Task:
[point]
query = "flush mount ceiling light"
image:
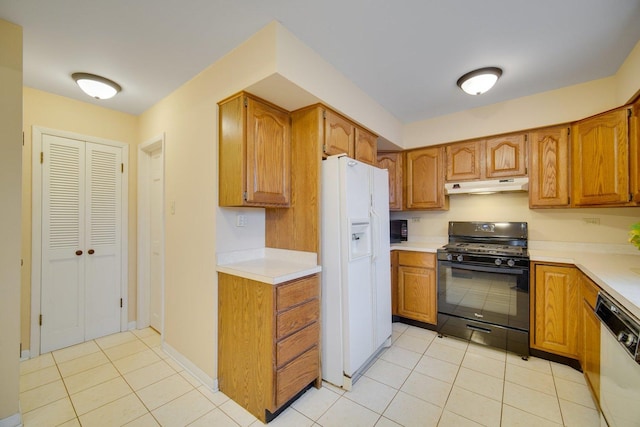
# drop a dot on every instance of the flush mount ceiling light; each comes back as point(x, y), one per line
point(479, 81)
point(96, 86)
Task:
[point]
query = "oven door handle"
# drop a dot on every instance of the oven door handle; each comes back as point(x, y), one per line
point(482, 268)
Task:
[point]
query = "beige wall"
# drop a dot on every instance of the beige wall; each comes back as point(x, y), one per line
point(10, 176)
point(557, 225)
point(188, 118)
point(56, 112)
point(548, 108)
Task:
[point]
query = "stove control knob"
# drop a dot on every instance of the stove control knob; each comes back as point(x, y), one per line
point(459, 258)
point(449, 257)
point(498, 261)
point(511, 263)
point(623, 337)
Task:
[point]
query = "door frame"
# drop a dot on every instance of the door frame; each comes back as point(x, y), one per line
point(36, 227)
point(144, 251)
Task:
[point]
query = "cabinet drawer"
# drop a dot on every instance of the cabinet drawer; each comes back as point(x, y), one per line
point(417, 259)
point(296, 375)
point(292, 346)
point(294, 293)
point(589, 291)
point(296, 318)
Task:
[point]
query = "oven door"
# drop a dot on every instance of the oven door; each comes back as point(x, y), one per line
point(485, 294)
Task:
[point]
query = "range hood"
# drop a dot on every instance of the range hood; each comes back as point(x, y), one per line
point(487, 186)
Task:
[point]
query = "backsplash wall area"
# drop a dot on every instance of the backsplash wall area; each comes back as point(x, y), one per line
point(592, 225)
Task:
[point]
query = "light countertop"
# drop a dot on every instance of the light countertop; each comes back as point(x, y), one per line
point(268, 265)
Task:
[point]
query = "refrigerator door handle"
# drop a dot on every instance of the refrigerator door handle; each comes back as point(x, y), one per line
point(375, 232)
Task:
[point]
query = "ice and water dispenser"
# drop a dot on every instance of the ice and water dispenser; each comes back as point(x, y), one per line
point(360, 245)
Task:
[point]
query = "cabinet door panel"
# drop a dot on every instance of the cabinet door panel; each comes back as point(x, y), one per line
point(366, 146)
point(600, 160)
point(339, 134)
point(506, 156)
point(424, 177)
point(392, 162)
point(556, 309)
point(268, 154)
point(417, 294)
point(549, 167)
point(463, 161)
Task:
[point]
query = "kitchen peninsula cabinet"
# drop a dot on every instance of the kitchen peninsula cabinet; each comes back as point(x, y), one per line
point(416, 286)
point(590, 333)
point(424, 179)
point(392, 162)
point(555, 309)
point(600, 160)
point(549, 167)
point(254, 153)
point(268, 347)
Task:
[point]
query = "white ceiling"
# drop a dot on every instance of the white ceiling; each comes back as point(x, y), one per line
point(406, 54)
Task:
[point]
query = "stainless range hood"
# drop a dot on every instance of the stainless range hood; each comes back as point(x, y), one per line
point(487, 186)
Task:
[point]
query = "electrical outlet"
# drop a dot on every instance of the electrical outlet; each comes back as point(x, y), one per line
point(173, 207)
point(593, 221)
point(415, 219)
point(241, 220)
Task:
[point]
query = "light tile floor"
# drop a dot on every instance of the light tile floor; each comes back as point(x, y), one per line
point(421, 380)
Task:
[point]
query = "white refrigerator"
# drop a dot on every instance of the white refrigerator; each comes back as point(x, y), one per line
point(356, 276)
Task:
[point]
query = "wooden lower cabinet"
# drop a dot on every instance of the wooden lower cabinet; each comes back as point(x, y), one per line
point(555, 309)
point(268, 346)
point(590, 333)
point(416, 286)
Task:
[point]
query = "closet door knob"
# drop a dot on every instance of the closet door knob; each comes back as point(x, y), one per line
point(78, 252)
point(91, 251)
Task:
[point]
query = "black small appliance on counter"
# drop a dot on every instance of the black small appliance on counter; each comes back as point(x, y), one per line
point(398, 230)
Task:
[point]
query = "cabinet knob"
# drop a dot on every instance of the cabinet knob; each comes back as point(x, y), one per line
point(91, 251)
point(78, 252)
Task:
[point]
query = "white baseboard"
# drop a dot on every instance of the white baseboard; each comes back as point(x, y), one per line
point(25, 355)
point(191, 367)
point(132, 325)
point(14, 420)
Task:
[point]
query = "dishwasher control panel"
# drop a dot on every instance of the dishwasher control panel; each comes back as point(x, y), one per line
point(622, 324)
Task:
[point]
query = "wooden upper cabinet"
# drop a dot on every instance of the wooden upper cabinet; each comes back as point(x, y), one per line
point(424, 179)
point(255, 153)
point(366, 146)
point(549, 167)
point(506, 156)
point(600, 160)
point(339, 134)
point(392, 162)
point(463, 161)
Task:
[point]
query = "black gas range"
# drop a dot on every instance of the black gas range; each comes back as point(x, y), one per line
point(483, 284)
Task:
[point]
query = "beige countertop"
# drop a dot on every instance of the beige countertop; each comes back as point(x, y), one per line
point(268, 265)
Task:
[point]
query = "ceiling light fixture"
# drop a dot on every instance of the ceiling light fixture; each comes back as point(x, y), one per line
point(96, 86)
point(479, 81)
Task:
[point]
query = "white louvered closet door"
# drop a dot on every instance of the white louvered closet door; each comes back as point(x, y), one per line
point(81, 243)
point(63, 214)
point(102, 272)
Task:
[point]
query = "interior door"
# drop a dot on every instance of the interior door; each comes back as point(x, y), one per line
point(81, 241)
point(63, 214)
point(103, 245)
